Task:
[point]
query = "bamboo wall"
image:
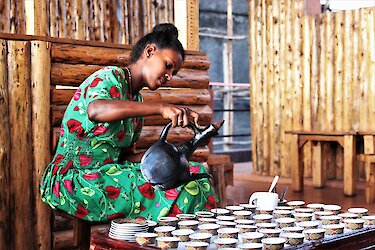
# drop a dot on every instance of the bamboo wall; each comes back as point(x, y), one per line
point(37, 75)
point(116, 21)
point(308, 73)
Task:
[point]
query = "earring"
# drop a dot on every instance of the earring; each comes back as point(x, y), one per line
point(167, 77)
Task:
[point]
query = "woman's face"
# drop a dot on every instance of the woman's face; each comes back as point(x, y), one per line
point(161, 65)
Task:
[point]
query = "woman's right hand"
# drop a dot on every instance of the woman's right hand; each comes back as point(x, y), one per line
point(180, 116)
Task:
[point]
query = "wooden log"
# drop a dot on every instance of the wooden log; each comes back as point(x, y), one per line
point(371, 72)
point(21, 178)
point(79, 20)
point(172, 96)
point(74, 75)
point(347, 72)
point(63, 239)
point(322, 77)
point(40, 79)
point(5, 232)
point(363, 71)
point(204, 111)
point(53, 26)
point(78, 54)
point(356, 93)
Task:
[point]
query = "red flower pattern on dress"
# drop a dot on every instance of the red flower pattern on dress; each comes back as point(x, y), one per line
point(76, 126)
point(174, 211)
point(68, 166)
point(121, 136)
point(100, 130)
point(147, 190)
point(68, 186)
point(76, 108)
point(95, 82)
point(77, 94)
point(194, 169)
point(61, 131)
point(112, 192)
point(55, 169)
point(108, 161)
point(58, 159)
point(116, 215)
point(85, 160)
point(56, 189)
point(113, 91)
point(91, 176)
point(171, 194)
point(211, 203)
point(81, 212)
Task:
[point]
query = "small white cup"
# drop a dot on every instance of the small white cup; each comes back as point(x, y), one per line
point(264, 200)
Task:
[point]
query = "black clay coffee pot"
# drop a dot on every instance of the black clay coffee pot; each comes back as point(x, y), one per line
point(166, 166)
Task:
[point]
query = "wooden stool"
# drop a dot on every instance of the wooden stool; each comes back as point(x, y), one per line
point(221, 168)
point(81, 231)
point(369, 161)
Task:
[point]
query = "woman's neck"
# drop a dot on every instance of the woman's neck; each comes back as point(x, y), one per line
point(136, 78)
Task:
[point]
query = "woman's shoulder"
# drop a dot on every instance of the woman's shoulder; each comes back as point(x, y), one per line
point(112, 69)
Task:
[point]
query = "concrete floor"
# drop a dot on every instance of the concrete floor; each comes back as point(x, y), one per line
point(246, 182)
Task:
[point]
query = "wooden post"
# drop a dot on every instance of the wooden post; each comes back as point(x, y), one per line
point(187, 22)
point(296, 163)
point(5, 231)
point(40, 80)
point(349, 165)
point(21, 181)
point(317, 166)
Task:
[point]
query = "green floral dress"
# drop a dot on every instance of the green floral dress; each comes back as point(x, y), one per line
point(86, 178)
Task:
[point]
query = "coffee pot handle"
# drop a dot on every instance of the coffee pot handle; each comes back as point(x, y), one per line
point(164, 133)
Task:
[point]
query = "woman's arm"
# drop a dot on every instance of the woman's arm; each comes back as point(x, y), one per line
point(115, 110)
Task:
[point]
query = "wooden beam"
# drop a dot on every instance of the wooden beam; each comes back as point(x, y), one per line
point(187, 22)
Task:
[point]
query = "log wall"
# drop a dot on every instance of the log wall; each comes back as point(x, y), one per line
point(37, 80)
point(310, 73)
point(116, 21)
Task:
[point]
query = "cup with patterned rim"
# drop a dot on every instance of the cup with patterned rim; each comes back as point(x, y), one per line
point(151, 225)
point(294, 239)
point(251, 246)
point(361, 211)
point(333, 229)
point(188, 224)
point(167, 242)
point(308, 224)
point(304, 210)
point(285, 222)
point(295, 204)
point(316, 206)
point(330, 219)
point(224, 224)
point(204, 214)
point(369, 220)
point(262, 218)
point(264, 211)
point(347, 215)
point(354, 224)
point(274, 243)
point(288, 208)
point(226, 218)
point(207, 220)
point(183, 234)
point(292, 229)
point(270, 233)
point(201, 237)
point(225, 242)
point(233, 208)
point(252, 237)
point(228, 232)
point(245, 222)
point(335, 209)
point(266, 225)
point(144, 239)
point(303, 217)
point(314, 234)
point(186, 216)
point(209, 228)
point(249, 207)
point(245, 228)
point(168, 221)
point(319, 214)
point(220, 211)
point(164, 231)
point(282, 214)
point(242, 215)
point(195, 245)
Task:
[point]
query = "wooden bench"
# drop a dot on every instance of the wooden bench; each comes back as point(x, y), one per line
point(346, 139)
point(368, 157)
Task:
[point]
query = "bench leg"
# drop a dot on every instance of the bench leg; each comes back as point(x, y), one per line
point(82, 232)
point(370, 182)
point(349, 165)
point(296, 164)
point(318, 174)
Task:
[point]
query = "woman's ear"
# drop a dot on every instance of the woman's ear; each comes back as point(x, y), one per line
point(149, 50)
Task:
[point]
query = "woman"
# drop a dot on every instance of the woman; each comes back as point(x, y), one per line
point(95, 173)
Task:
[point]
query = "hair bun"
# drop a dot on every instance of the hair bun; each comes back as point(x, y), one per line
point(166, 28)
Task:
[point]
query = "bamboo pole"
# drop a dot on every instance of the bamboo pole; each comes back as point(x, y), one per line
point(5, 231)
point(40, 78)
point(347, 72)
point(253, 79)
point(21, 195)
